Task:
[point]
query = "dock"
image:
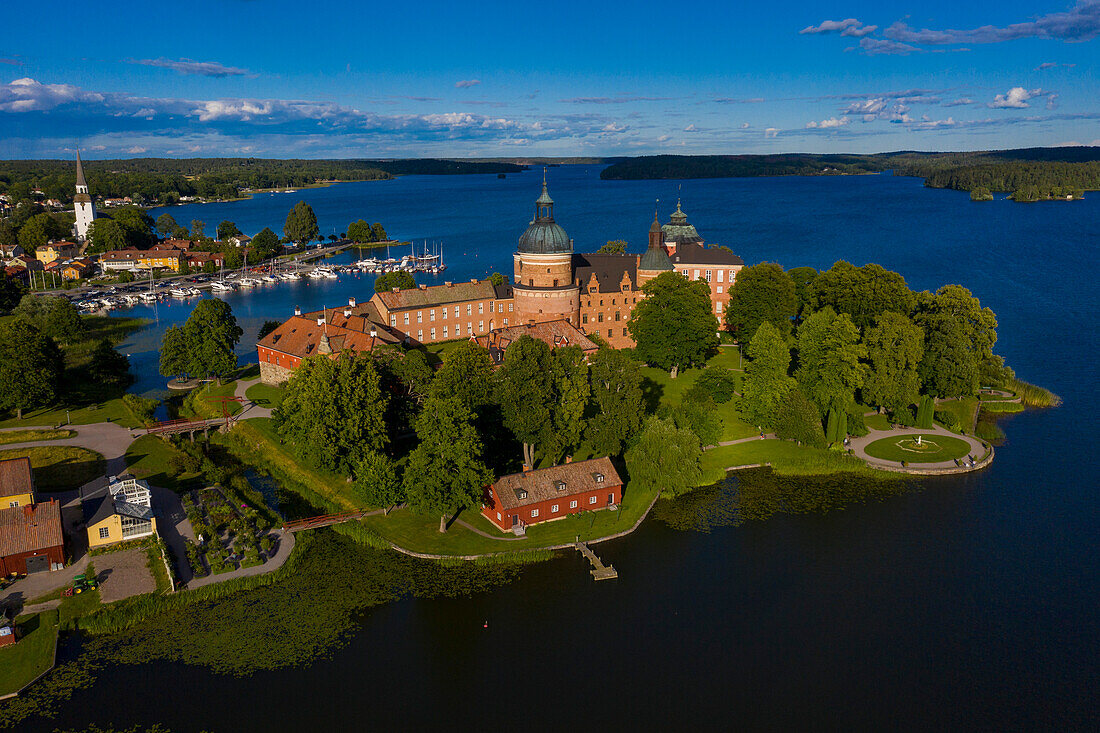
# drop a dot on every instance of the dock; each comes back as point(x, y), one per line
point(599, 570)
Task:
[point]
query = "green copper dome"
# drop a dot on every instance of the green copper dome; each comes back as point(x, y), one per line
point(679, 231)
point(655, 259)
point(544, 236)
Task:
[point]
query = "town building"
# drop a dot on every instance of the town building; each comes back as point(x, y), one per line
point(555, 334)
point(16, 483)
point(116, 509)
point(240, 240)
point(7, 251)
point(161, 259)
point(121, 259)
point(546, 494)
point(82, 204)
point(77, 269)
point(31, 538)
point(54, 251)
point(196, 260)
point(17, 273)
point(428, 314)
point(33, 264)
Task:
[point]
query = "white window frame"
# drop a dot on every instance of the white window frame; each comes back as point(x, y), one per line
point(104, 533)
point(433, 333)
point(591, 500)
point(469, 309)
point(481, 308)
point(444, 332)
point(720, 274)
point(573, 504)
point(406, 319)
point(554, 509)
point(393, 319)
point(534, 513)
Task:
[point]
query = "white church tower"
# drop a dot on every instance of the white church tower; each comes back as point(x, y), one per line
point(82, 203)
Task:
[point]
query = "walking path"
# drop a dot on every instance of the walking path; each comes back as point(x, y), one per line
point(284, 543)
point(248, 407)
point(475, 530)
point(106, 438)
point(765, 436)
point(859, 448)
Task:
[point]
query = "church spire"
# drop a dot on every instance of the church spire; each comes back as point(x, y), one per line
point(81, 184)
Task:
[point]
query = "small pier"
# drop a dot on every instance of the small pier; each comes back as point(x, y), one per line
point(599, 570)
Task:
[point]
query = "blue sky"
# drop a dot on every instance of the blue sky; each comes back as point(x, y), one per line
point(346, 78)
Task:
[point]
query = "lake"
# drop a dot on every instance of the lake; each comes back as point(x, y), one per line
point(967, 603)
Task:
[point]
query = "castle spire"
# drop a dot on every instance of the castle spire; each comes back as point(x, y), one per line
point(81, 184)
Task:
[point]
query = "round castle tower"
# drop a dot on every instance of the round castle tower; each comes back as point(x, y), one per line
point(543, 285)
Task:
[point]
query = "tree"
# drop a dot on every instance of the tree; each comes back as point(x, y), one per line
point(766, 379)
point(895, 347)
point(359, 232)
point(926, 412)
point(445, 472)
point(227, 229)
point(762, 292)
point(466, 375)
point(673, 326)
point(803, 278)
point(413, 372)
point(166, 224)
point(613, 247)
point(333, 413)
point(198, 229)
point(185, 267)
point(265, 245)
point(266, 328)
point(569, 374)
point(11, 291)
point(106, 235)
point(377, 481)
point(125, 276)
point(829, 354)
point(38, 230)
point(301, 223)
point(617, 406)
point(378, 233)
point(136, 225)
point(204, 344)
point(717, 383)
point(525, 392)
point(796, 418)
point(108, 366)
point(959, 336)
point(665, 458)
point(864, 293)
point(30, 367)
point(497, 279)
point(697, 413)
point(54, 316)
point(209, 267)
point(390, 280)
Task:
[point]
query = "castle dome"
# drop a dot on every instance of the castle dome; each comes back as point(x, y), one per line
point(678, 229)
point(544, 236)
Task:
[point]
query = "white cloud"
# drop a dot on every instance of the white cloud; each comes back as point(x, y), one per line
point(691, 128)
point(137, 149)
point(188, 66)
point(664, 138)
point(467, 83)
point(1081, 23)
point(846, 27)
point(771, 131)
point(744, 125)
point(831, 123)
point(1015, 98)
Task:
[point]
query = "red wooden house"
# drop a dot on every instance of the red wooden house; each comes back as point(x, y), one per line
point(529, 497)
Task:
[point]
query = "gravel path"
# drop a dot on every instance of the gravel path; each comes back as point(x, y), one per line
point(859, 446)
point(123, 574)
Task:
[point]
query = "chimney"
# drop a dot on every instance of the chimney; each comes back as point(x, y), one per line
point(321, 320)
point(568, 460)
point(347, 313)
point(423, 287)
point(397, 290)
point(449, 284)
point(297, 310)
point(373, 332)
point(351, 302)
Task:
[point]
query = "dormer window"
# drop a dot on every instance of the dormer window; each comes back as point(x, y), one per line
point(559, 485)
point(598, 477)
point(521, 494)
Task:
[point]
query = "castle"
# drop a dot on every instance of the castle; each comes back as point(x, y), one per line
point(582, 294)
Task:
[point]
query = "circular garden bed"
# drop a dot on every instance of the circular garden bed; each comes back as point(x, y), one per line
point(931, 448)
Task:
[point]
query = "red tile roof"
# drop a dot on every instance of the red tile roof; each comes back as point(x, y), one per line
point(435, 295)
point(554, 334)
point(16, 477)
point(29, 528)
point(301, 335)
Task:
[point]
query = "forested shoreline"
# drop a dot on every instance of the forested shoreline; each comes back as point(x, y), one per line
point(1029, 174)
point(167, 180)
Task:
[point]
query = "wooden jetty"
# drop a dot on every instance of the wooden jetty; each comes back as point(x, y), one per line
point(326, 520)
point(599, 570)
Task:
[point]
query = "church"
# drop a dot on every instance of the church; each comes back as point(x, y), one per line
point(82, 204)
point(557, 295)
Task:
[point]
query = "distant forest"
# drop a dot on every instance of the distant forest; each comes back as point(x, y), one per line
point(1029, 174)
point(166, 180)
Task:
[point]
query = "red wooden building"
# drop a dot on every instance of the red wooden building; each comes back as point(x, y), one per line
point(30, 538)
point(551, 493)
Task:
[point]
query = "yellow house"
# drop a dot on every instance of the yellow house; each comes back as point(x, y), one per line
point(16, 483)
point(48, 253)
point(170, 259)
point(117, 509)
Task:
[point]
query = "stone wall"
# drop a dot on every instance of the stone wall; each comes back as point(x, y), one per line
point(273, 374)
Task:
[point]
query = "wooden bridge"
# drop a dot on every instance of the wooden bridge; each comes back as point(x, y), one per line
point(183, 425)
point(325, 520)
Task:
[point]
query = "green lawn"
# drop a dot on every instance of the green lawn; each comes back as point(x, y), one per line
point(203, 402)
point(78, 605)
point(149, 458)
point(437, 352)
point(733, 427)
point(60, 466)
point(876, 422)
point(964, 410)
point(32, 655)
point(265, 395)
point(671, 391)
point(933, 449)
point(786, 458)
point(30, 436)
point(421, 533)
point(1001, 406)
point(112, 410)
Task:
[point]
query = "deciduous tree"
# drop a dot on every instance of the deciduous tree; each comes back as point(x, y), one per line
point(613, 247)
point(54, 316)
point(617, 407)
point(166, 224)
point(829, 354)
point(377, 481)
point(301, 223)
point(864, 293)
point(895, 347)
point(466, 375)
point(108, 366)
point(761, 292)
point(665, 458)
point(525, 392)
point(673, 326)
point(390, 280)
point(766, 379)
point(30, 367)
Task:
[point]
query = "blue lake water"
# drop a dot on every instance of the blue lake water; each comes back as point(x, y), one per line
point(971, 604)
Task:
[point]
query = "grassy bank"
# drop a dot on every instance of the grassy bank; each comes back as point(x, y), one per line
point(934, 448)
point(265, 395)
point(60, 467)
point(151, 458)
point(1032, 395)
point(786, 458)
point(30, 436)
point(32, 655)
point(111, 410)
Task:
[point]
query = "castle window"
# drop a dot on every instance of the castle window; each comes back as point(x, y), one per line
point(601, 302)
point(444, 332)
point(480, 326)
point(393, 319)
point(469, 309)
point(509, 307)
point(444, 314)
point(626, 287)
point(600, 318)
point(432, 314)
point(609, 333)
point(624, 332)
point(720, 274)
point(531, 281)
point(420, 316)
point(419, 335)
point(480, 307)
point(456, 311)
point(617, 318)
point(687, 275)
point(708, 275)
point(555, 282)
point(433, 334)
point(718, 306)
point(584, 318)
point(547, 270)
point(505, 321)
point(719, 280)
point(592, 290)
